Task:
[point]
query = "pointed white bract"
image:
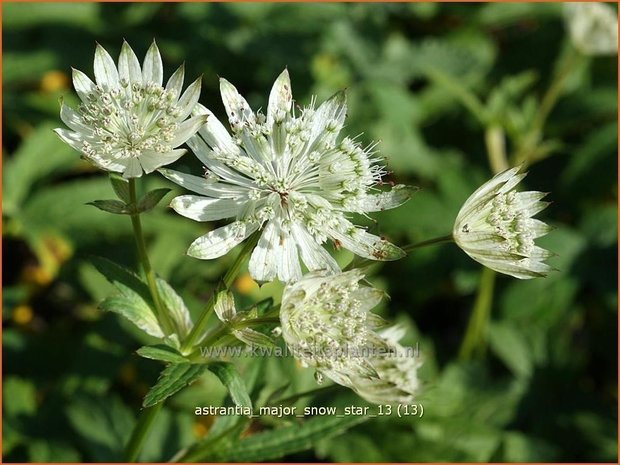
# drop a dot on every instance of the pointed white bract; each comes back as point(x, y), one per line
point(327, 325)
point(593, 27)
point(286, 174)
point(495, 227)
point(127, 122)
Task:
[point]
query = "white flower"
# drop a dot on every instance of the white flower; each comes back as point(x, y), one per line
point(127, 122)
point(327, 325)
point(495, 227)
point(287, 174)
point(593, 27)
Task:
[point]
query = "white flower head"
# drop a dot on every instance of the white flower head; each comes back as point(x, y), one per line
point(327, 325)
point(593, 27)
point(495, 227)
point(287, 174)
point(127, 122)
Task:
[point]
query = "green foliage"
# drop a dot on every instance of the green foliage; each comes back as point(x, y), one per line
point(161, 352)
point(280, 442)
point(172, 379)
point(151, 199)
point(229, 377)
point(424, 79)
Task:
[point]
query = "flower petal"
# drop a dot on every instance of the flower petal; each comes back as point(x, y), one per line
point(280, 98)
point(187, 129)
point(287, 258)
point(214, 132)
point(237, 107)
point(106, 73)
point(82, 84)
point(328, 120)
point(262, 264)
point(379, 202)
point(71, 138)
point(73, 119)
point(129, 65)
point(202, 186)
point(365, 244)
point(314, 256)
point(150, 161)
point(189, 99)
point(225, 306)
point(204, 208)
point(133, 170)
point(220, 241)
point(175, 83)
point(204, 154)
point(153, 68)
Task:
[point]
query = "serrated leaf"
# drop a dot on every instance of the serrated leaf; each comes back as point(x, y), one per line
point(173, 379)
point(111, 206)
point(176, 307)
point(127, 282)
point(136, 310)
point(277, 443)
point(161, 352)
point(151, 199)
point(253, 338)
point(228, 375)
point(121, 187)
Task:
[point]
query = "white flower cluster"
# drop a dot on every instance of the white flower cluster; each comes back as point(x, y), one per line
point(593, 27)
point(495, 227)
point(327, 325)
point(127, 122)
point(287, 175)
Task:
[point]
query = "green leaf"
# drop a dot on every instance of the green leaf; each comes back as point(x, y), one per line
point(230, 378)
point(127, 282)
point(40, 156)
point(151, 199)
point(173, 379)
point(511, 347)
point(136, 310)
point(176, 307)
point(279, 442)
point(102, 425)
point(111, 206)
point(161, 352)
point(121, 187)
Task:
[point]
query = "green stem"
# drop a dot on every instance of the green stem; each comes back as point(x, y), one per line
point(147, 418)
point(229, 277)
point(550, 98)
point(160, 311)
point(436, 240)
point(460, 92)
point(474, 342)
point(495, 141)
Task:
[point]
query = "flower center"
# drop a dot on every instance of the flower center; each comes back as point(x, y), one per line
point(129, 120)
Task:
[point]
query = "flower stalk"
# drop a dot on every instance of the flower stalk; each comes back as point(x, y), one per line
point(229, 277)
point(160, 311)
point(474, 342)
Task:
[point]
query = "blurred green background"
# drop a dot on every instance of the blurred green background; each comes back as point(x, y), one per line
point(546, 388)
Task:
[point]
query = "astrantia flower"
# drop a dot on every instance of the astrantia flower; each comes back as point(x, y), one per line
point(327, 325)
point(593, 27)
point(127, 122)
point(495, 227)
point(287, 174)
